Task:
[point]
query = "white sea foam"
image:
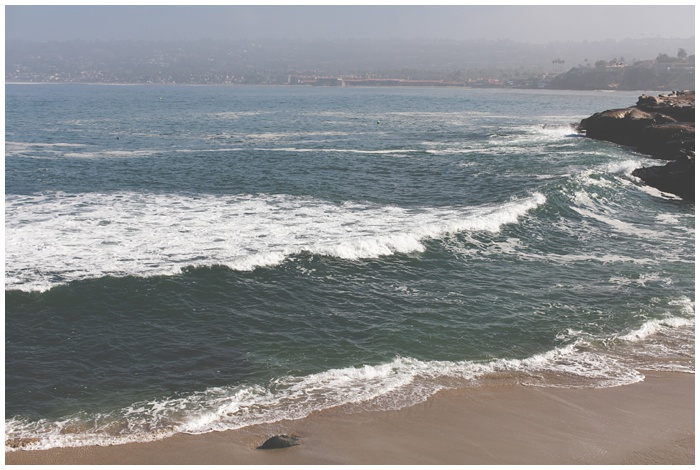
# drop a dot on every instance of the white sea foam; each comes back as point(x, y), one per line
point(625, 168)
point(517, 248)
point(595, 369)
point(235, 115)
point(10, 145)
point(622, 168)
point(668, 219)
point(333, 150)
point(642, 280)
point(653, 327)
point(657, 192)
point(111, 154)
point(664, 344)
point(684, 307)
point(275, 136)
point(555, 132)
point(528, 134)
point(56, 238)
point(47, 149)
point(597, 210)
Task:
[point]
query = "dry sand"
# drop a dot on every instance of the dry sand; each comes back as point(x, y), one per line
point(651, 422)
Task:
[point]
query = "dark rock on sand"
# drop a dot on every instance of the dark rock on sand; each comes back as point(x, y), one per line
point(662, 127)
point(280, 442)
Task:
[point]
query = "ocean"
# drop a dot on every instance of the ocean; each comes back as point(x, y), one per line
point(187, 259)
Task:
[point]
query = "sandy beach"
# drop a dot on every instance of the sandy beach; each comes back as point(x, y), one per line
point(651, 422)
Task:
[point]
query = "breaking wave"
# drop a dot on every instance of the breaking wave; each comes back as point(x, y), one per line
point(57, 238)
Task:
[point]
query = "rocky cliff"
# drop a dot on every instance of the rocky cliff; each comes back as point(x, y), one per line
point(662, 127)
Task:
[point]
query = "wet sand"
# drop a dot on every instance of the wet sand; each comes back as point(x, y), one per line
point(651, 422)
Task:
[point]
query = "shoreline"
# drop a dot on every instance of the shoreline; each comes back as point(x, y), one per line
point(649, 422)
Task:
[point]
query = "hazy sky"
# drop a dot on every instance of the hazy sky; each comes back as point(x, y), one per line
point(537, 24)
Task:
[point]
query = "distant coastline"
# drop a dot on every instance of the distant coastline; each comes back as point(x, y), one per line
point(650, 64)
point(404, 85)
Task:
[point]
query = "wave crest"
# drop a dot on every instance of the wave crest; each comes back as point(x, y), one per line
point(56, 238)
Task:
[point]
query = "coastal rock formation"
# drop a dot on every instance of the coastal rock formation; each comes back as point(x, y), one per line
point(662, 127)
point(679, 105)
point(622, 126)
point(667, 141)
point(676, 177)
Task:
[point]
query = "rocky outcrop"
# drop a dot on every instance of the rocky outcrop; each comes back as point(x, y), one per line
point(676, 177)
point(662, 127)
point(680, 105)
point(622, 126)
point(667, 141)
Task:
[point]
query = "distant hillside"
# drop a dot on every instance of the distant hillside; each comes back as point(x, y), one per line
point(663, 73)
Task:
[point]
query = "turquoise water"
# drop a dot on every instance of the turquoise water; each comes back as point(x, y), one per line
point(189, 259)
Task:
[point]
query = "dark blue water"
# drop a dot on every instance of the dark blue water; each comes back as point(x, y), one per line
point(187, 259)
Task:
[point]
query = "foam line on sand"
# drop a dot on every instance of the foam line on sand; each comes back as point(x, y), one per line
point(650, 422)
